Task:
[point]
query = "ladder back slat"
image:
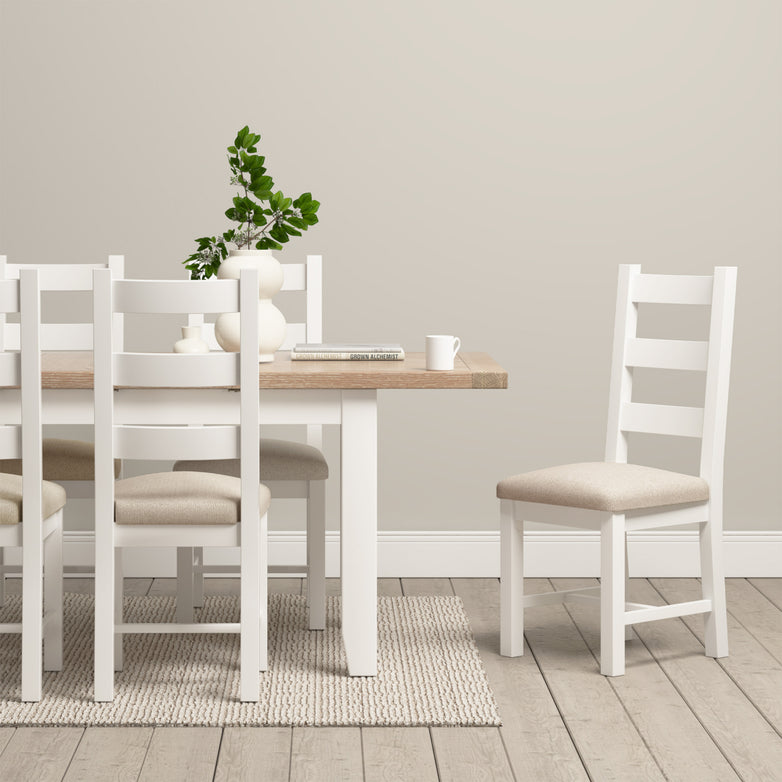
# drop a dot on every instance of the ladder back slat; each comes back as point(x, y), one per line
point(667, 354)
point(294, 277)
point(176, 370)
point(10, 442)
point(9, 296)
point(662, 419)
point(671, 289)
point(10, 369)
point(176, 296)
point(171, 443)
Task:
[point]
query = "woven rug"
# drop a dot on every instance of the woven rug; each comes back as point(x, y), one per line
point(429, 670)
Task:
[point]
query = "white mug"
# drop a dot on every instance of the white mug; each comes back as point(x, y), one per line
point(441, 351)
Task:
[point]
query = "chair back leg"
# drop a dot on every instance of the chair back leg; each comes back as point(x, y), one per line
point(52, 597)
point(713, 583)
point(316, 554)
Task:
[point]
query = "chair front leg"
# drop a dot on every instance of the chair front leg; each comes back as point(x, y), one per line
point(316, 554)
point(612, 595)
point(629, 632)
point(184, 585)
point(52, 598)
point(198, 577)
point(119, 594)
point(2, 576)
point(511, 581)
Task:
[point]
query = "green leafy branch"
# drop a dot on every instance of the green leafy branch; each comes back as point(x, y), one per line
point(266, 218)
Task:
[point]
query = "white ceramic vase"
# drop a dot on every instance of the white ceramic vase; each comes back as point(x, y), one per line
point(271, 322)
point(191, 341)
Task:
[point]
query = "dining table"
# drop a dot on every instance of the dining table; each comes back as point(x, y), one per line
point(344, 393)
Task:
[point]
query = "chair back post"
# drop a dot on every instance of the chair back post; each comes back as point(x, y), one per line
point(3, 276)
point(715, 411)
point(117, 266)
point(32, 453)
point(314, 284)
point(103, 323)
point(621, 389)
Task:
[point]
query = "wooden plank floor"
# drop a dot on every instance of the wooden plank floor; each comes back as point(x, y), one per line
point(675, 715)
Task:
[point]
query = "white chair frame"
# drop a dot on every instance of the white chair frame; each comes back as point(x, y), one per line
point(40, 539)
point(308, 278)
point(150, 371)
point(61, 336)
point(625, 416)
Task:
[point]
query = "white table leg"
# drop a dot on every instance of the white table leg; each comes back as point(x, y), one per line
point(358, 538)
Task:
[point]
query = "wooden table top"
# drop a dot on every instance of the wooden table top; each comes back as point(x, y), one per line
point(74, 370)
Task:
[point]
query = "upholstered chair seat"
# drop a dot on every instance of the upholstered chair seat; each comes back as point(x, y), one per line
point(281, 460)
point(63, 460)
point(181, 498)
point(604, 486)
point(53, 496)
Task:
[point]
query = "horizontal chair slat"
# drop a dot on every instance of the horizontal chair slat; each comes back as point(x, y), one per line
point(662, 419)
point(294, 277)
point(176, 370)
point(10, 369)
point(176, 442)
point(10, 442)
point(171, 627)
point(9, 296)
point(59, 276)
point(667, 354)
point(670, 289)
point(176, 296)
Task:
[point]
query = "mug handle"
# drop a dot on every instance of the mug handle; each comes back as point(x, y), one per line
point(457, 343)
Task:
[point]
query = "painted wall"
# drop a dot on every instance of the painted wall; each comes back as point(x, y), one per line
point(483, 168)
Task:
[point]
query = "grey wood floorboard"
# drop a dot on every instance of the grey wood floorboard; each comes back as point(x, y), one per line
point(751, 745)
point(320, 754)
point(749, 663)
point(673, 734)
point(607, 740)
point(758, 614)
point(40, 754)
point(109, 755)
point(770, 587)
point(181, 755)
point(398, 755)
point(427, 586)
point(5, 737)
point(470, 754)
point(535, 736)
point(250, 754)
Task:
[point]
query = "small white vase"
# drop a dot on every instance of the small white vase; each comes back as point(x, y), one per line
point(271, 322)
point(191, 341)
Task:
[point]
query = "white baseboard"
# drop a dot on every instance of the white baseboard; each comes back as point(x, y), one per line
point(477, 554)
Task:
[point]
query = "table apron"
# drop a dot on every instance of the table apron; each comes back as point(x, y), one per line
point(174, 406)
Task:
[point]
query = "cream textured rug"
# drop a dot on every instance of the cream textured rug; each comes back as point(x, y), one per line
point(429, 670)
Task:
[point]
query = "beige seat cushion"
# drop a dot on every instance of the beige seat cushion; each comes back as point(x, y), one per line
point(604, 486)
point(281, 460)
point(181, 498)
point(63, 460)
point(11, 498)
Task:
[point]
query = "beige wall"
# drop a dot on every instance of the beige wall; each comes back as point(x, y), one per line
point(483, 168)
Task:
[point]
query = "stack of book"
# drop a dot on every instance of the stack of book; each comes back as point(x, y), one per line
point(339, 351)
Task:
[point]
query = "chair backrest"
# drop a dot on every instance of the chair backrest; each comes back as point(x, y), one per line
point(65, 278)
point(22, 369)
point(305, 277)
point(173, 370)
point(712, 357)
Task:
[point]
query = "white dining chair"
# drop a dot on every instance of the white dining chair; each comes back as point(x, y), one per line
point(30, 507)
point(177, 509)
point(68, 462)
point(616, 497)
point(291, 470)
